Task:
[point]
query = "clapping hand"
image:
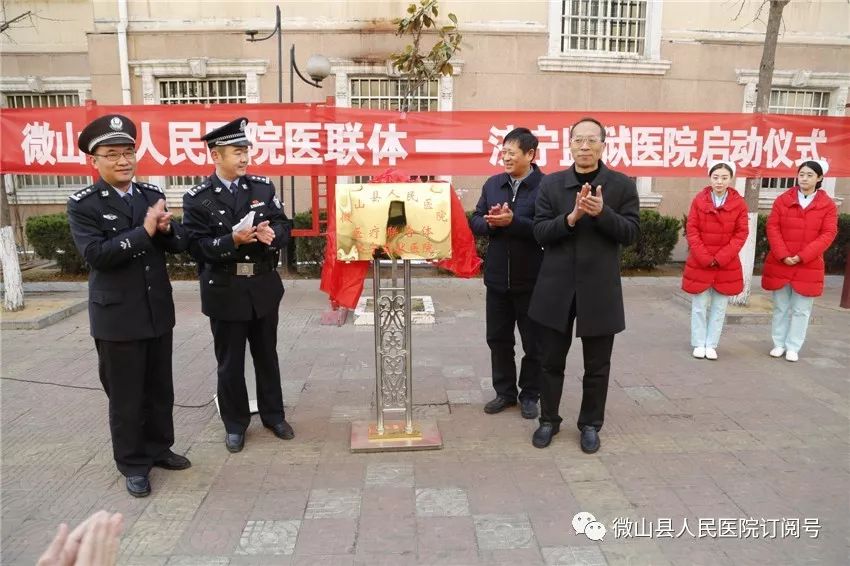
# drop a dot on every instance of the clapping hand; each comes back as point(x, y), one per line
point(591, 203)
point(265, 233)
point(499, 216)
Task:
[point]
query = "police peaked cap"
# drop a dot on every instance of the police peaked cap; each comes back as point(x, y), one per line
point(112, 129)
point(232, 133)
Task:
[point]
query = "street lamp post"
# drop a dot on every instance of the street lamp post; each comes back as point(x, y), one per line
point(318, 68)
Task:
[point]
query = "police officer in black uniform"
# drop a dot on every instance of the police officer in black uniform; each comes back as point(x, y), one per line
point(123, 229)
point(240, 287)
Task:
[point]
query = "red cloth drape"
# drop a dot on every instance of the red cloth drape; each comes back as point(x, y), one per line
point(343, 281)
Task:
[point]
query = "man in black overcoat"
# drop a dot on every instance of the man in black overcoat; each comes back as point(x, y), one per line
point(241, 289)
point(584, 215)
point(122, 229)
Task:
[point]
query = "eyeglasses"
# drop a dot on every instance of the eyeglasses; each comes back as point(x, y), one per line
point(129, 155)
point(580, 141)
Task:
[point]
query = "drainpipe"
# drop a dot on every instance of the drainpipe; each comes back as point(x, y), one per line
point(123, 58)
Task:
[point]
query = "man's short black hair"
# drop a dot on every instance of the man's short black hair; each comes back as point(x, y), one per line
point(590, 119)
point(523, 138)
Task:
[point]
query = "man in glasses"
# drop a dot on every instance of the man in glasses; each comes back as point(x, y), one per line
point(583, 217)
point(123, 229)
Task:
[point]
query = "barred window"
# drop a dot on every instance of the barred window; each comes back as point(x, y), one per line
point(202, 91)
point(385, 93)
point(44, 100)
point(795, 101)
point(199, 91)
point(608, 26)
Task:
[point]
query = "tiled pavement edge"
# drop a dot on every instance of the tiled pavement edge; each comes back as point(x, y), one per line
point(743, 437)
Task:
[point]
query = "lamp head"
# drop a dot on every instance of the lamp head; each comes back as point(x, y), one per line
point(318, 67)
point(251, 33)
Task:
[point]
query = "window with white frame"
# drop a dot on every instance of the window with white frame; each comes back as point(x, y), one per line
point(616, 26)
point(44, 100)
point(806, 102)
point(202, 91)
point(199, 91)
point(387, 93)
point(605, 36)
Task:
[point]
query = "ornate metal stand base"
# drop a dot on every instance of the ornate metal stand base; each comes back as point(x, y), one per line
point(393, 374)
point(365, 437)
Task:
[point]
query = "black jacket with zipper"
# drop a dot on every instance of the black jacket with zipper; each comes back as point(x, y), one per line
point(513, 255)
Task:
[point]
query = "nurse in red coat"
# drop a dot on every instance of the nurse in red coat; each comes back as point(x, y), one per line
point(800, 228)
point(716, 232)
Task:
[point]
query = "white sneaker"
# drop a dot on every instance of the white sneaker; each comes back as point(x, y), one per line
point(710, 354)
point(699, 352)
point(791, 356)
point(777, 352)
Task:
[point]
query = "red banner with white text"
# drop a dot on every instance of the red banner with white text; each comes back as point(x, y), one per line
point(311, 139)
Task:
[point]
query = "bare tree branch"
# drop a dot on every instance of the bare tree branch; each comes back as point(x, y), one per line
point(5, 25)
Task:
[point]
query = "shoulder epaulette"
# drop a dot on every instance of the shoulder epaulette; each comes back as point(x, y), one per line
point(259, 179)
point(199, 188)
point(83, 193)
point(151, 187)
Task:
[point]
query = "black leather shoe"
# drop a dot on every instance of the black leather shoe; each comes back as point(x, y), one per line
point(589, 439)
point(235, 442)
point(543, 435)
point(498, 405)
point(528, 408)
point(173, 462)
point(282, 430)
point(138, 486)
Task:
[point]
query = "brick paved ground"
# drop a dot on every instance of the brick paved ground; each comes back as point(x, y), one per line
point(746, 436)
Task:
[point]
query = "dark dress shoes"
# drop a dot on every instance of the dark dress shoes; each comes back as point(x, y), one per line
point(173, 462)
point(138, 486)
point(543, 435)
point(498, 405)
point(234, 441)
point(528, 408)
point(282, 430)
point(589, 439)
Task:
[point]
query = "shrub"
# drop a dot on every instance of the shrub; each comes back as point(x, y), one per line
point(50, 236)
point(182, 265)
point(309, 250)
point(480, 241)
point(836, 256)
point(658, 237)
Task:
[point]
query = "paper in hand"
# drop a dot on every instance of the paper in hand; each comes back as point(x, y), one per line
point(246, 222)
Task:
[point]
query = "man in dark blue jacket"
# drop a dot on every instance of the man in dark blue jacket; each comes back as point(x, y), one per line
point(505, 213)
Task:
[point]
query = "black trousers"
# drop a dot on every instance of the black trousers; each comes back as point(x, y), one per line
point(136, 376)
point(597, 366)
point(229, 338)
point(504, 311)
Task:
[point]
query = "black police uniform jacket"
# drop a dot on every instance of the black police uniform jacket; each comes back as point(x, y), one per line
point(583, 261)
point(209, 214)
point(513, 255)
point(129, 291)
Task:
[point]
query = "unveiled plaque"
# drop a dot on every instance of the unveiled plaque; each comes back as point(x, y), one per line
point(405, 220)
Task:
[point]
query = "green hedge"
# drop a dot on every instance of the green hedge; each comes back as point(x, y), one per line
point(309, 250)
point(658, 237)
point(50, 236)
point(836, 256)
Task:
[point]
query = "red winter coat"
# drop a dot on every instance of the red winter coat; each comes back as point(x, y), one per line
point(805, 232)
point(715, 235)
